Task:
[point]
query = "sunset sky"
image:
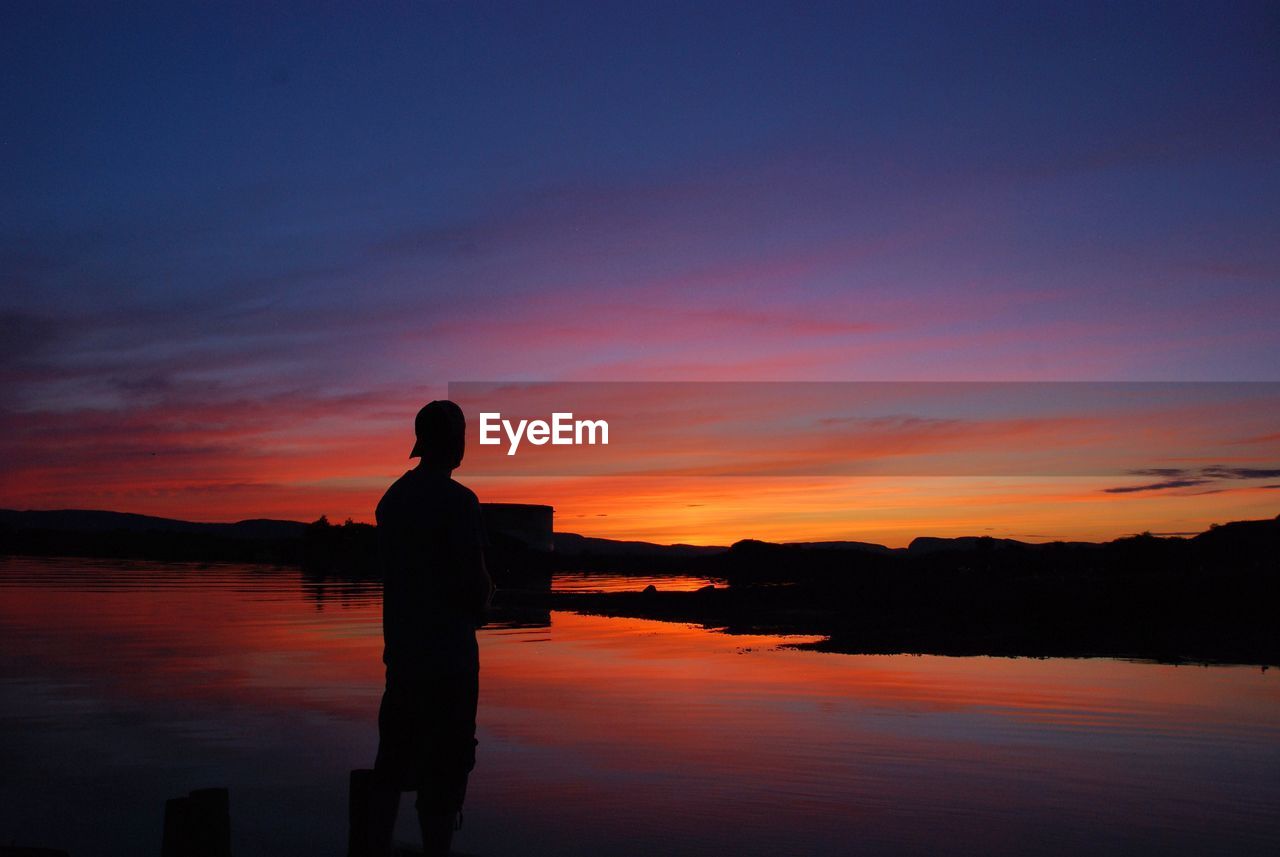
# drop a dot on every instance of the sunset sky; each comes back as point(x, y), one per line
point(242, 245)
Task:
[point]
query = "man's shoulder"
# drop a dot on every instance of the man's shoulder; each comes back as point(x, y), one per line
point(416, 491)
point(462, 493)
point(404, 480)
point(395, 492)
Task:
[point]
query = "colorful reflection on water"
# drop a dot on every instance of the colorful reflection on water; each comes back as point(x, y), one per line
point(125, 684)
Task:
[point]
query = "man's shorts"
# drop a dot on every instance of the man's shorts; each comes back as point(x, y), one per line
point(427, 737)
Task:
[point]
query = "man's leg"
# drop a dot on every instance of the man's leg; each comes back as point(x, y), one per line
point(389, 768)
point(384, 803)
point(437, 831)
point(444, 786)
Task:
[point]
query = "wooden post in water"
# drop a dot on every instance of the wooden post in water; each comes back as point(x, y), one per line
point(198, 825)
point(358, 813)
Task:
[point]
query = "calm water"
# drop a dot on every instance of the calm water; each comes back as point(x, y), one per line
point(124, 685)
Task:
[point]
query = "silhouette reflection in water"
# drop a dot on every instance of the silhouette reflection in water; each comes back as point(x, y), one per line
point(435, 593)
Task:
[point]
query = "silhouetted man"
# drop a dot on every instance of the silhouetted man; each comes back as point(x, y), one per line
point(435, 590)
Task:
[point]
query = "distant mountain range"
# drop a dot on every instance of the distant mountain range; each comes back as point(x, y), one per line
point(590, 548)
point(572, 544)
point(97, 521)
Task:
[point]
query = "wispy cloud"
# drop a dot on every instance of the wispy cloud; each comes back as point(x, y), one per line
point(1177, 477)
point(1240, 472)
point(1156, 486)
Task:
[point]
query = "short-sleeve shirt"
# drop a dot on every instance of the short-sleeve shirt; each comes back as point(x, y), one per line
point(427, 525)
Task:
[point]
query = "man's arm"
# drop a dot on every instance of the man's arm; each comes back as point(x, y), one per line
point(467, 542)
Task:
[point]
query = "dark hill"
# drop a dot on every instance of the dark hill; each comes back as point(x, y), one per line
point(95, 521)
point(88, 532)
point(584, 553)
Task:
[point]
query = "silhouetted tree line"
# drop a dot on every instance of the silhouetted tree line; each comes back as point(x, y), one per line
point(348, 548)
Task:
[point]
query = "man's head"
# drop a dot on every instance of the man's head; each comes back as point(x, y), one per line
point(441, 429)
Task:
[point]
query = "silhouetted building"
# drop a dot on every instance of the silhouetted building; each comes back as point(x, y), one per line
point(529, 525)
